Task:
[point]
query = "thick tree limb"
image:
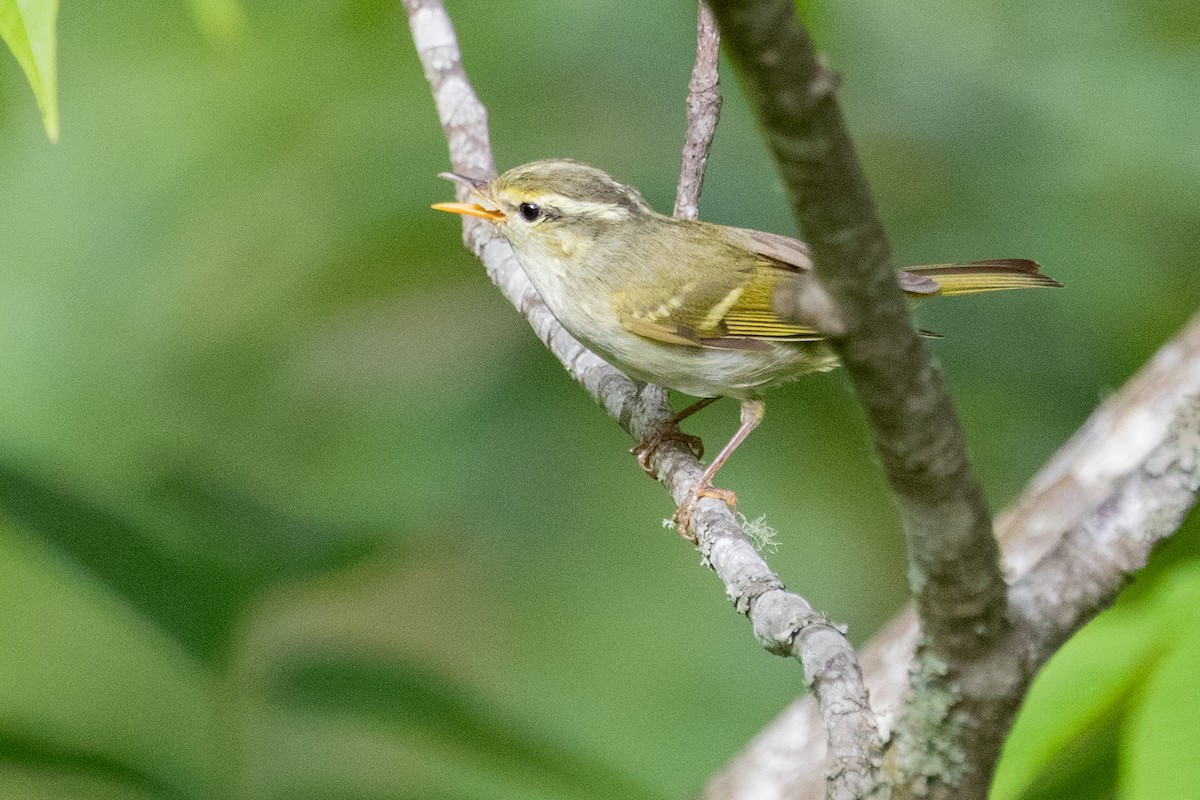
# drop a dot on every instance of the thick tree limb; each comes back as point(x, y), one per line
point(1140, 453)
point(1082, 525)
point(953, 556)
point(783, 622)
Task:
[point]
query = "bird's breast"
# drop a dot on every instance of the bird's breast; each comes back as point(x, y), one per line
point(582, 301)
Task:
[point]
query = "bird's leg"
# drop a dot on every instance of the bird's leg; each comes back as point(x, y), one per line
point(645, 449)
point(752, 414)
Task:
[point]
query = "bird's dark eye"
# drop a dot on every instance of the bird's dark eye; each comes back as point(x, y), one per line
point(529, 212)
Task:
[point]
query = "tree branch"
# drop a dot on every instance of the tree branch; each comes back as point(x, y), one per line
point(1140, 452)
point(703, 112)
point(1083, 523)
point(957, 577)
point(953, 556)
point(784, 761)
point(783, 622)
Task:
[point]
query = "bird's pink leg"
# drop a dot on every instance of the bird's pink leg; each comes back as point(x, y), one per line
point(752, 414)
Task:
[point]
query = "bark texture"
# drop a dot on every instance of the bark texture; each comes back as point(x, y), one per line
point(703, 113)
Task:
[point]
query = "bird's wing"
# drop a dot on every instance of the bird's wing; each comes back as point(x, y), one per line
point(736, 311)
point(743, 309)
point(782, 249)
point(796, 253)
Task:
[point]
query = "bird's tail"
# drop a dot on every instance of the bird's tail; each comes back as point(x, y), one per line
point(978, 276)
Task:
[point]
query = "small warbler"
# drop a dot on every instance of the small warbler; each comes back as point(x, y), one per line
point(706, 309)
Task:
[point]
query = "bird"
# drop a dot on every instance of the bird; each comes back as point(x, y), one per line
point(706, 309)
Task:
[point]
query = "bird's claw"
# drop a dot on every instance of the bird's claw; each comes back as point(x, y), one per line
point(645, 449)
point(683, 514)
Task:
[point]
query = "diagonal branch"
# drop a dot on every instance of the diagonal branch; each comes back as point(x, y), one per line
point(783, 622)
point(1140, 453)
point(958, 582)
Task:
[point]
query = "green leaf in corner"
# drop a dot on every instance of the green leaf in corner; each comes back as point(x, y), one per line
point(27, 26)
point(1158, 745)
point(1069, 723)
point(1115, 712)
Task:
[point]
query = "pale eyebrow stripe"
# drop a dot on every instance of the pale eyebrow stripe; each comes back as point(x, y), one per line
point(568, 205)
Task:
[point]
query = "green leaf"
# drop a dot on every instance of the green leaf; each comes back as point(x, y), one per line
point(1085, 768)
point(195, 577)
point(1068, 718)
point(31, 769)
point(1159, 743)
point(1158, 752)
point(27, 26)
point(193, 599)
point(1112, 708)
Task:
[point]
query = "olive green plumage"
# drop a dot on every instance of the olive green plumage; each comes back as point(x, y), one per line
point(690, 305)
point(706, 309)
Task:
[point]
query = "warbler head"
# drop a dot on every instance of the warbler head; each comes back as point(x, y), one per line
point(554, 208)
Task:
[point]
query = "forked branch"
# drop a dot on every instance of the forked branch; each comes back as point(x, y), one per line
point(1084, 523)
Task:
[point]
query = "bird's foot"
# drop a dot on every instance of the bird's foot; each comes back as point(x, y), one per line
point(683, 514)
point(669, 432)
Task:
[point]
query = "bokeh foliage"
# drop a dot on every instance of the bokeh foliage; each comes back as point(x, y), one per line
point(27, 28)
point(292, 504)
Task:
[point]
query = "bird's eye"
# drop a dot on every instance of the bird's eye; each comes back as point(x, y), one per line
point(529, 212)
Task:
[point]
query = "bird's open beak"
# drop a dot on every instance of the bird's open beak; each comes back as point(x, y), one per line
point(476, 187)
point(471, 210)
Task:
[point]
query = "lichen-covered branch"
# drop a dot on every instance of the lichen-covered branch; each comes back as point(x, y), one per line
point(955, 560)
point(783, 622)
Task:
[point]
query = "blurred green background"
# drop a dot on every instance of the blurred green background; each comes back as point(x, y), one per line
point(293, 505)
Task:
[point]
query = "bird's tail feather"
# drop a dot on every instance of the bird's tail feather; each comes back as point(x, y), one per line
point(980, 276)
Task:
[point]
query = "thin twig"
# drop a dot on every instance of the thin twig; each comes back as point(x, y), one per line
point(783, 622)
point(1083, 523)
point(852, 739)
point(703, 113)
